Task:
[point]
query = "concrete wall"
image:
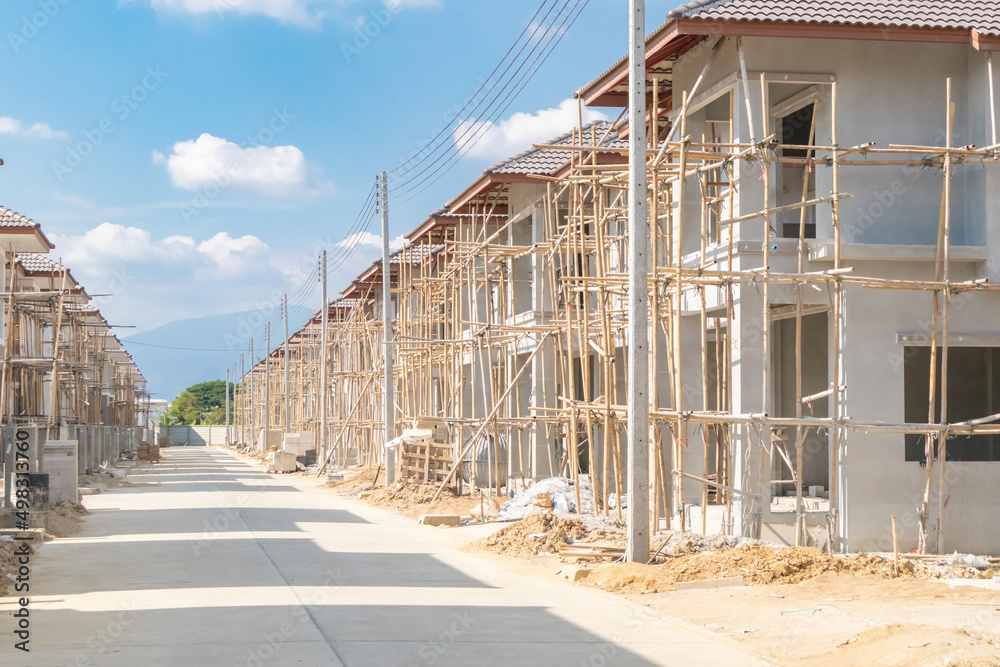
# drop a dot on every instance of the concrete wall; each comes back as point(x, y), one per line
point(890, 93)
point(98, 446)
point(192, 435)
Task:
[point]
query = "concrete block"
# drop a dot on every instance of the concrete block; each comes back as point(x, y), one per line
point(30, 535)
point(727, 582)
point(298, 443)
point(59, 460)
point(281, 462)
point(439, 520)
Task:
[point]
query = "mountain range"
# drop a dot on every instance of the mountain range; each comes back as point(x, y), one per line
point(181, 353)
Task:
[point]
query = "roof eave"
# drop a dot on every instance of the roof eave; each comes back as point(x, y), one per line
point(599, 91)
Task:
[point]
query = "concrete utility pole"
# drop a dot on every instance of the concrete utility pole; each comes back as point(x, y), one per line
point(388, 399)
point(253, 430)
point(227, 407)
point(267, 388)
point(236, 412)
point(637, 549)
point(324, 324)
point(288, 377)
point(243, 403)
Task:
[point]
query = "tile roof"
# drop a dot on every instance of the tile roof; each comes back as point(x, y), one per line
point(980, 15)
point(547, 161)
point(9, 218)
point(34, 262)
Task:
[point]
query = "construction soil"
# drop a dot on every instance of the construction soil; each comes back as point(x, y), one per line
point(9, 565)
point(799, 606)
point(540, 534)
point(412, 499)
point(65, 519)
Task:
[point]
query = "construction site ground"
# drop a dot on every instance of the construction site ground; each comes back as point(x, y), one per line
point(798, 606)
point(208, 560)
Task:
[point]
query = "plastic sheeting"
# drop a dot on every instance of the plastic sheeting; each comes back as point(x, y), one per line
point(562, 492)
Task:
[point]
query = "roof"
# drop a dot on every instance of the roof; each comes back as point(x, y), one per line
point(980, 15)
point(489, 191)
point(36, 263)
point(975, 22)
point(26, 234)
point(9, 218)
point(548, 161)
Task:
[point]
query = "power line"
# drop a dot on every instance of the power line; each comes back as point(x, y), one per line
point(553, 40)
point(470, 121)
point(461, 113)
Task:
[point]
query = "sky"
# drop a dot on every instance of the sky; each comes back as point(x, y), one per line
point(193, 157)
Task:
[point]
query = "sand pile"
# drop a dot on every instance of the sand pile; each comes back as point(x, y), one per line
point(757, 563)
point(544, 533)
point(355, 480)
point(8, 565)
point(903, 644)
point(413, 499)
point(65, 518)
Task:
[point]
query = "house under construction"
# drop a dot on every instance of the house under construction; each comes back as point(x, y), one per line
point(824, 197)
point(65, 374)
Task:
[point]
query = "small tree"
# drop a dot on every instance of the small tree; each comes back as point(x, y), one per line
point(202, 403)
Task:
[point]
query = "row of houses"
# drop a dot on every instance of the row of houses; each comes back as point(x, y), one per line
point(824, 217)
point(65, 374)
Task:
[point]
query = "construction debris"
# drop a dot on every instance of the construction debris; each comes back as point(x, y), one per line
point(556, 494)
point(542, 534)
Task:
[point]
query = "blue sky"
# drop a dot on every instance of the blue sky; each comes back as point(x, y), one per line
point(125, 127)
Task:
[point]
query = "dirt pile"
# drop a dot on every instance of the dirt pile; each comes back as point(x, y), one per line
point(65, 518)
point(355, 480)
point(897, 645)
point(9, 565)
point(543, 534)
point(758, 564)
point(412, 499)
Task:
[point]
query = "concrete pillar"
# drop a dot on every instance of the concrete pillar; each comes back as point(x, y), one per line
point(543, 366)
point(748, 369)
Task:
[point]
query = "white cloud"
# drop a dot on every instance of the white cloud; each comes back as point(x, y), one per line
point(14, 127)
point(211, 161)
point(374, 240)
point(152, 281)
point(231, 254)
point(518, 133)
point(408, 4)
point(302, 13)
point(107, 242)
point(295, 12)
point(156, 280)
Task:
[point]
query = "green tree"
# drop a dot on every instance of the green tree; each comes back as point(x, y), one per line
point(202, 403)
point(185, 409)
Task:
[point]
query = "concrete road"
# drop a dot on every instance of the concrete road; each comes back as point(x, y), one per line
point(216, 563)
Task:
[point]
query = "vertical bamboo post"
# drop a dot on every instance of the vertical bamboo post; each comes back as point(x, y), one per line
point(945, 275)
